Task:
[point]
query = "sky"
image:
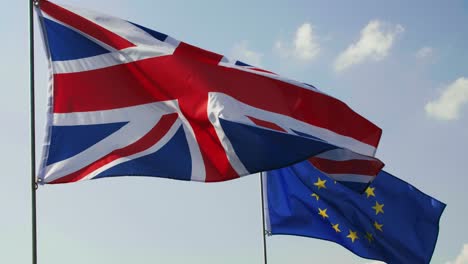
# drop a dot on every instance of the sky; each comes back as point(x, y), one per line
point(401, 64)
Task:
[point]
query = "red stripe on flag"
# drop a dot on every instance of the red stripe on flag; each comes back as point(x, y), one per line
point(196, 53)
point(179, 76)
point(85, 26)
point(217, 166)
point(262, 70)
point(266, 124)
point(148, 140)
point(359, 167)
point(303, 104)
point(108, 88)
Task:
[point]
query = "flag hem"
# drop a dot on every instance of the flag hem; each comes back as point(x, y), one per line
point(50, 101)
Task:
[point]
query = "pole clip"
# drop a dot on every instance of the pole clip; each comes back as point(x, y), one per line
point(36, 184)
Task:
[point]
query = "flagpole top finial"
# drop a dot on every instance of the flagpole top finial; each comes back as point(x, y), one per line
point(35, 2)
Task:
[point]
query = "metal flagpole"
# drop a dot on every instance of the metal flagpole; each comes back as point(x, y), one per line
point(33, 131)
point(264, 233)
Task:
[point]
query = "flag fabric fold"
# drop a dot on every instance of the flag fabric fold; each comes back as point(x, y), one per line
point(390, 221)
point(126, 100)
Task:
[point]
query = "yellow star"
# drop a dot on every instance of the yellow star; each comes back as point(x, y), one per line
point(316, 196)
point(337, 228)
point(369, 237)
point(323, 213)
point(320, 183)
point(378, 208)
point(378, 226)
point(352, 235)
point(370, 192)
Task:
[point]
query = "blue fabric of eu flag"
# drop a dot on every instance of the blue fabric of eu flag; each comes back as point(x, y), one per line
point(391, 221)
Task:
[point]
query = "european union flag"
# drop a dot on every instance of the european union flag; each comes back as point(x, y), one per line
point(391, 221)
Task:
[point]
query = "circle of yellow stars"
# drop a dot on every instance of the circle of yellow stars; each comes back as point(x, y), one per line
point(352, 235)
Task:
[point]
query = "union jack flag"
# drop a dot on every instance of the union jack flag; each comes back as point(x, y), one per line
point(126, 100)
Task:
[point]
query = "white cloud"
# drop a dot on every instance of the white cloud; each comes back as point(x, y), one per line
point(241, 52)
point(448, 105)
point(305, 45)
point(374, 43)
point(424, 52)
point(462, 257)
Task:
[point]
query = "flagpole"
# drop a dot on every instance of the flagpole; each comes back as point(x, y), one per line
point(32, 131)
point(264, 232)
